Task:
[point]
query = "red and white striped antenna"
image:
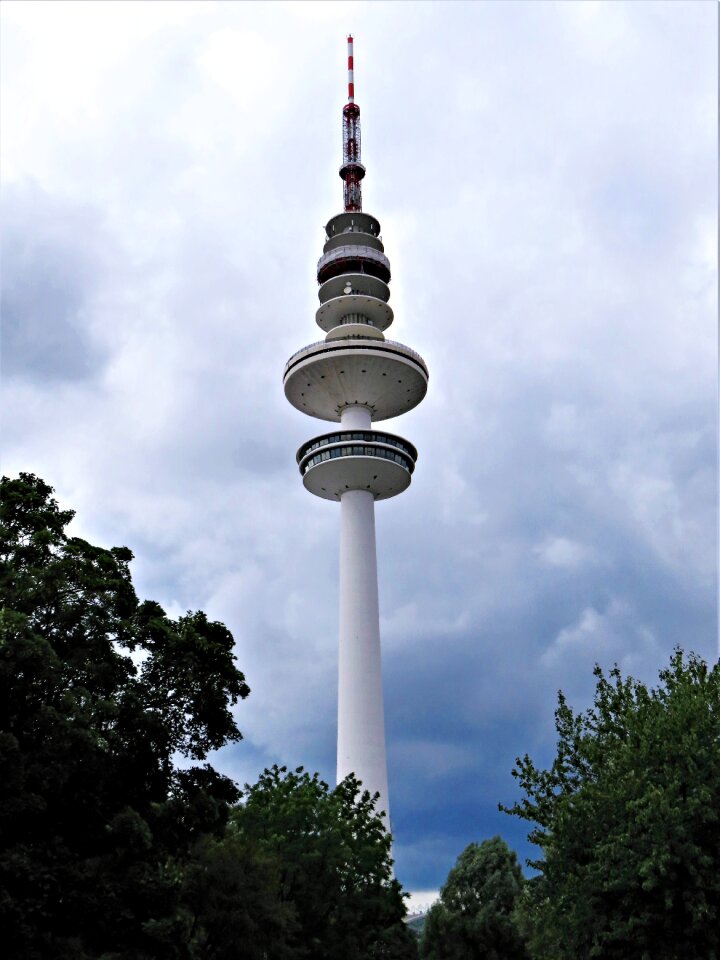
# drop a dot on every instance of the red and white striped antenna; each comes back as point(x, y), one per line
point(352, 171)
point(351, 75)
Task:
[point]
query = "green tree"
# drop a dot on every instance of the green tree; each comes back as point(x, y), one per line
point(333, 868)
point(474, 918)
point(96, 822)
point(628, 822)
point(231, 894)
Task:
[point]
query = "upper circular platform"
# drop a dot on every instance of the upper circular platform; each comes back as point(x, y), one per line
point(355, 330)
point(324, 378)
point(358, 239)
point(360, 283)
point(353, 168)
point(331, 313)
point(352, 222)
point(353, 258)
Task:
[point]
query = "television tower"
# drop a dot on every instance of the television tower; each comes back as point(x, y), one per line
point(353, 377)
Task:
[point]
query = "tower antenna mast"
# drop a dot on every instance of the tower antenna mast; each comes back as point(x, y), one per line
point(352, 171)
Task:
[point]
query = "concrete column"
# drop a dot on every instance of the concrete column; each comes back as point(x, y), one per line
point(361, 720)
point(356, 417)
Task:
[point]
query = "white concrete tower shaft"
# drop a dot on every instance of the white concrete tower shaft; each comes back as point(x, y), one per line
point(361, 713)
point(354, 377)
point(361, 716)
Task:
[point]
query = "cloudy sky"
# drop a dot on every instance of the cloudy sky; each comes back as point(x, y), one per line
point(546, 179)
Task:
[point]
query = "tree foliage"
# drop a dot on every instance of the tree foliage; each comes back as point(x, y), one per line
point(109, 850)
point(474, 918)
point(232, 904)
point(96, 822)
point(333, 884)
point(627, 819)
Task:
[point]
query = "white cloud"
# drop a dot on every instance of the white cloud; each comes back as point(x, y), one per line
point(562, 552)
point(608, 637)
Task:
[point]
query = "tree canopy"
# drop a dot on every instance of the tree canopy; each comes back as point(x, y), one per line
point(110, 848)
point(98, 694)
point(627, 820)
point(334, 865)
point(474, 918)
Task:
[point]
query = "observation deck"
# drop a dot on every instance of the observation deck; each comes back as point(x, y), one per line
point(383, 375)
point(356, 460)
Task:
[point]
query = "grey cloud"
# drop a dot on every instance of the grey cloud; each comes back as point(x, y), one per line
point(51, 256)
point(542, 181)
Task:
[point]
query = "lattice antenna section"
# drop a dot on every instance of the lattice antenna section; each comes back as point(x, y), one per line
point(352, 170)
